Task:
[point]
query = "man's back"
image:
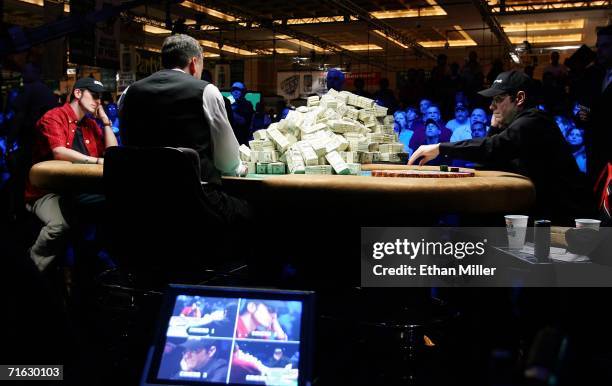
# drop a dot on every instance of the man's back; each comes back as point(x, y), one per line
point(165, 109)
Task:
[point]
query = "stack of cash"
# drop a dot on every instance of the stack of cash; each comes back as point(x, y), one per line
point(332, 134)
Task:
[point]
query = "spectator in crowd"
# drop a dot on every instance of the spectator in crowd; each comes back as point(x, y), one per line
point(419, 136)
point(335, 79)
point(67, 133)
point(556, 69)
point(473, 77)
point(536, 84)
point(112, 111)
point(553, 95)
point(423, 106)
point(261, 119)
point(564, 124)
point(242, 113)
point(360, 88)
point(478, 115)
point(431, 136)
point(460, 125)
point(479, 130)
point(384, 96)
point(402, 129)
point(28, 107)
point(433, 112)
point(496, 68)
point(575, 139)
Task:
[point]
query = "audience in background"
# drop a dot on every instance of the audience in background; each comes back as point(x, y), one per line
point(460, 125)
point(575, 139)
point(261, 119)
point(242, 113)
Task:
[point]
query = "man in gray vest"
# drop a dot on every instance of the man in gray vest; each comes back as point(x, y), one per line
point(174, 107)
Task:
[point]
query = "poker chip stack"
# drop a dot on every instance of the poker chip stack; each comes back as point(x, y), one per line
point(333, 134)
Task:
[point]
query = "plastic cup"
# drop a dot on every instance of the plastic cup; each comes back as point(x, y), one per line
point(587, 223)
point(516, 227)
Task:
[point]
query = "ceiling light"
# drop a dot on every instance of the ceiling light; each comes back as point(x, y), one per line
point(155, 30)
point(361, 47)
point(544, 26)
point(202, 9)
point(234, 50)
point(390, 38)
point(300, 43)
point(467, 41)
point(547, 39)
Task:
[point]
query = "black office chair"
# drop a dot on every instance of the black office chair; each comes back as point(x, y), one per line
point(161, 226)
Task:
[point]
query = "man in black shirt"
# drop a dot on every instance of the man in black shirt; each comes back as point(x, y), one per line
point(526, 141)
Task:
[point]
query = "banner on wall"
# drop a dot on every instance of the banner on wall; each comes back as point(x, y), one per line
point(107, 37)
point(300, 84)
point(370, 78)
point(147, 62)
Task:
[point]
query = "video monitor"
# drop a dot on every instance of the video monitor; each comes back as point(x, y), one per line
point(232, 336)
point(253, 97)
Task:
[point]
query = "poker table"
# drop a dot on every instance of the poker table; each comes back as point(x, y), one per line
point(486, 192)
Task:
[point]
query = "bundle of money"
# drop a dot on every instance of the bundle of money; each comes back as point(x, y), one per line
point(245, 153)
point(260, 135)
point(380, 111)
point(334, 159)
point(275, 168)
point(312, 100)
point(262, 168)
point(391, 147)
point(308, 154)
point(319, 169)
point(354, 168)
point(251, 167)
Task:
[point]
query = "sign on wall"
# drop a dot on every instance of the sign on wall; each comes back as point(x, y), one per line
point(300, 84)
point(107, 38)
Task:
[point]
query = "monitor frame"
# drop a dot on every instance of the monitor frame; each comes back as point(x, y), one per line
point(154, 355)
point(248, 92)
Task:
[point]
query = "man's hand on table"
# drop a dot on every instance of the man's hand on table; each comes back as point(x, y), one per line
point(426, 153)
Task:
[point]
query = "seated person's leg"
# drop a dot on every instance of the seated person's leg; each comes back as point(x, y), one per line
point(52, 237)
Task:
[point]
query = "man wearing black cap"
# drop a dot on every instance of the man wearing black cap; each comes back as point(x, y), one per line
point(524, 140)
point(68, 133)
point(203, 356)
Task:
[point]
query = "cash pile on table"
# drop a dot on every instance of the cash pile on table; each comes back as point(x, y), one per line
point(333, 134)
